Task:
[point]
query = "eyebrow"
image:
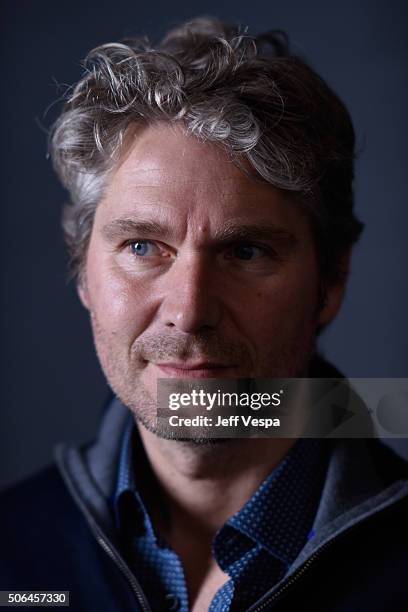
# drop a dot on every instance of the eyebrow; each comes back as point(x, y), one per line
point(117, 229)
point(120, 228)
point(256, 231)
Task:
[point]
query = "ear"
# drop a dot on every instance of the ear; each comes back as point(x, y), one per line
point(334, 292)
point(83, 294)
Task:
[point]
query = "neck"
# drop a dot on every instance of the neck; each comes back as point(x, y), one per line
point(202, 485)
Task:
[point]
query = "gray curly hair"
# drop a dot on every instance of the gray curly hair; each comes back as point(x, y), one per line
point(254, 98)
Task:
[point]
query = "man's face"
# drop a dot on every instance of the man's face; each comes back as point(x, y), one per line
point(195, 270)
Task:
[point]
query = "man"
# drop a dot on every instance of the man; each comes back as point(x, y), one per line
point(210, 229)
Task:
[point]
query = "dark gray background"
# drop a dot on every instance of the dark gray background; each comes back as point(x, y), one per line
point(52, 387)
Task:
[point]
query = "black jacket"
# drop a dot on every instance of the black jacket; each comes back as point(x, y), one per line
point(57, 533)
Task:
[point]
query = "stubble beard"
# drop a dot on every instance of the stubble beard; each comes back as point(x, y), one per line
point(123, 370)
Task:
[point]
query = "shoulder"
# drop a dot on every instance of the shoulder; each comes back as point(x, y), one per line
point(39, 526)
point(37, 496)
point(389, 466)
point(46, 544)
point(37, 509)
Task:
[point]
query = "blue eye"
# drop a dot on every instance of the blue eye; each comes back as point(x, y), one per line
point(140, 247)
point(247, 251)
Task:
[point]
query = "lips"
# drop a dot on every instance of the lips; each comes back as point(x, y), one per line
point(194, 370)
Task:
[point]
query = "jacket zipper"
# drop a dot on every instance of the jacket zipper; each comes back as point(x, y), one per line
point(106, 546)
point(117, 560)
point(295, 577)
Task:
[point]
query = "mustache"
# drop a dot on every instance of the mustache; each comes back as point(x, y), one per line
point(205, 346)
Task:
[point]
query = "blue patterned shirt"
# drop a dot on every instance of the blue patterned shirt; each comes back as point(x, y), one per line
point(255, 547)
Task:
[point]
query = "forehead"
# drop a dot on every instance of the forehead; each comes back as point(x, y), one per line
point(167, 173)
point(165, 155)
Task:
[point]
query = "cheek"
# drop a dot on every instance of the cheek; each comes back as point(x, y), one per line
point(120, 307)
point(279, 309)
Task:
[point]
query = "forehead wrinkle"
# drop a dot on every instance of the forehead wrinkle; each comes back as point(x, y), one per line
point(137, 180)
point(151, 172)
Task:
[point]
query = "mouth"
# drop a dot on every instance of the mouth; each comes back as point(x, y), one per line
point(194, 370)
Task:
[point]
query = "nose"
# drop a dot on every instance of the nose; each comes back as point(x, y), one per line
point(192, 297)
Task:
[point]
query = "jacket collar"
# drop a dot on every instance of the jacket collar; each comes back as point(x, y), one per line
point(363, 477)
